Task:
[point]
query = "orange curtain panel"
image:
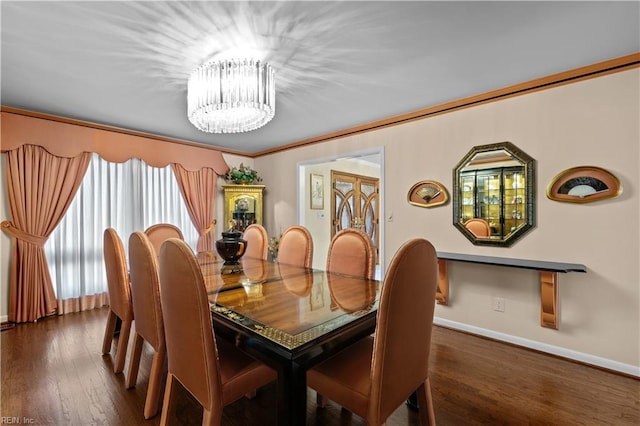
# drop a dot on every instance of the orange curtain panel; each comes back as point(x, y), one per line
point(40, 188)
point(198, 189)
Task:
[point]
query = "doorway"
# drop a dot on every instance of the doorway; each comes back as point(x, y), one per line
point(368, 163)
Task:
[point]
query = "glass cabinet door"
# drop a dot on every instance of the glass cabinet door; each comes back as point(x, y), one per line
point(468, 184)
point(488, 198)
point(243, 206)
point(515, 194)
point(495, 195)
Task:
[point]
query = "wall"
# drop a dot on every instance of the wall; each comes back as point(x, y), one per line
point(592, 122)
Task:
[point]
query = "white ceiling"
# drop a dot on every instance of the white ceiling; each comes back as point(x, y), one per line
point(338, 64)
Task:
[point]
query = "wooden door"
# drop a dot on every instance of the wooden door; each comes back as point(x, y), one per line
point(355, 204)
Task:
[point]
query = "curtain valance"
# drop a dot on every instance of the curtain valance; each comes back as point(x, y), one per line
point(68, 140)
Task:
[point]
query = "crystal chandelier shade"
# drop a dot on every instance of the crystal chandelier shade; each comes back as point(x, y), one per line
point(231, 96)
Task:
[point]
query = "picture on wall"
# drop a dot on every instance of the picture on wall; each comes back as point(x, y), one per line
point(317, 191)
point(428, 193)
point(583, 184)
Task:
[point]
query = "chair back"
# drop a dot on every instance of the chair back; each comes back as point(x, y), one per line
point(257, 241)
point(115, 263)
point(160, 232)
point(405, 318)
point(351, 253)
point(478, 227)
point(191, 347)
point(296, 247)
point(145, 290)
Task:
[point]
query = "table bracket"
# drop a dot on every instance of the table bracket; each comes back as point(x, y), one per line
point(548, 280)
point(549, 299)
point(442, 291)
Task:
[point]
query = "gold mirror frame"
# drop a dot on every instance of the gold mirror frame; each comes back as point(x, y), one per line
point(583, 184)
point(428, 193)
point(511, 199)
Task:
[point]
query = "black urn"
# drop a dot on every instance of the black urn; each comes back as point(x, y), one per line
point(231, 247)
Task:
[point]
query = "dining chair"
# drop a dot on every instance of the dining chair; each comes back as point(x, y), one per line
point(296, 247)
point(478, 227)
point(159, 232)
point(149, 325)
point(257, 241)
point(375, 375)
point(120, 306)
point(212, 370)
point(351, 253)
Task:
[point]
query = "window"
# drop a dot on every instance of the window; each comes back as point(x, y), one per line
point(129, 197)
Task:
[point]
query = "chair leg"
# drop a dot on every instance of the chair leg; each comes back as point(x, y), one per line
point(321, 400)
point(108, 333)
point(168, 403)
point(134, 360)
point(425, 404)
point(210, 418)
point(152, 402)
point(123, 342)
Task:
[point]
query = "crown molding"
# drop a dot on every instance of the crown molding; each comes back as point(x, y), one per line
point(599, 69)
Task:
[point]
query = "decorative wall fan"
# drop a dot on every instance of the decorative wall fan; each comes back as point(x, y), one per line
point(583, 184)
point(428, 193)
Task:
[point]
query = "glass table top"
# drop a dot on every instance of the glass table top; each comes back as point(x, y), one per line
point(286, 304)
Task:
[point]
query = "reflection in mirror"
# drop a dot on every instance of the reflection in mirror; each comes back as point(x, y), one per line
point(493, 195)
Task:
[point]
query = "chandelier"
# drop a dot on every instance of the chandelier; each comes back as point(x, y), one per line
point(231, 96)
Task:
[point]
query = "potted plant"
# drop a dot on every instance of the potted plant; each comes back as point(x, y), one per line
point(242, 175)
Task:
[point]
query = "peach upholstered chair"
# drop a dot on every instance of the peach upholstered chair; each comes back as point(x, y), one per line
point(373, 377)
point(211, 369)
point(351, 253)
point(478, 227)
point(296, 247)
point(149, 326)
point(119, 297)
point(160, 232)
point(257, 241)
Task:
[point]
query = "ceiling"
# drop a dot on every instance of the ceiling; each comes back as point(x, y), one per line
point(338, 64)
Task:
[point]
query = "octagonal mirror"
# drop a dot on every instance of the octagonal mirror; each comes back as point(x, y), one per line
point(493, 194)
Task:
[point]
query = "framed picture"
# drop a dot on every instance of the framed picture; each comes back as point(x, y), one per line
point(317, 191)
point(429, 193)
point(583, 184)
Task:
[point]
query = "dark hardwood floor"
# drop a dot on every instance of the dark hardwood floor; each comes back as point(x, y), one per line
point(53, 373)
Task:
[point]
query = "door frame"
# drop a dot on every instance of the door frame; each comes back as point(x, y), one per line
point(302, 208)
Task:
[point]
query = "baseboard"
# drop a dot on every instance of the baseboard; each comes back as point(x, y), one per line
point(582, 357)
point(4, 318)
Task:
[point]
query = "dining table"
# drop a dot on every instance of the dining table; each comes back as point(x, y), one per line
point(289, 318)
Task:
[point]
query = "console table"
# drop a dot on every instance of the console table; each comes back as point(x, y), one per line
point(548, 279)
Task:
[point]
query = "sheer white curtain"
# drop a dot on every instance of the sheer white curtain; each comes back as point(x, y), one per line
point(129, 197)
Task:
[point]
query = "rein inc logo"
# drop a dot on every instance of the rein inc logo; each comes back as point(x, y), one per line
point(5, 420)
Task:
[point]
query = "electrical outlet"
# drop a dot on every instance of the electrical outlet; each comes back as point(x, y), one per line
point(498, 304)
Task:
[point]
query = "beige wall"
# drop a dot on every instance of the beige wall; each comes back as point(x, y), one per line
point(593, 122)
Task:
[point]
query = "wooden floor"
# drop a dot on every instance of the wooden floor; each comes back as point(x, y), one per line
point(53, 373)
